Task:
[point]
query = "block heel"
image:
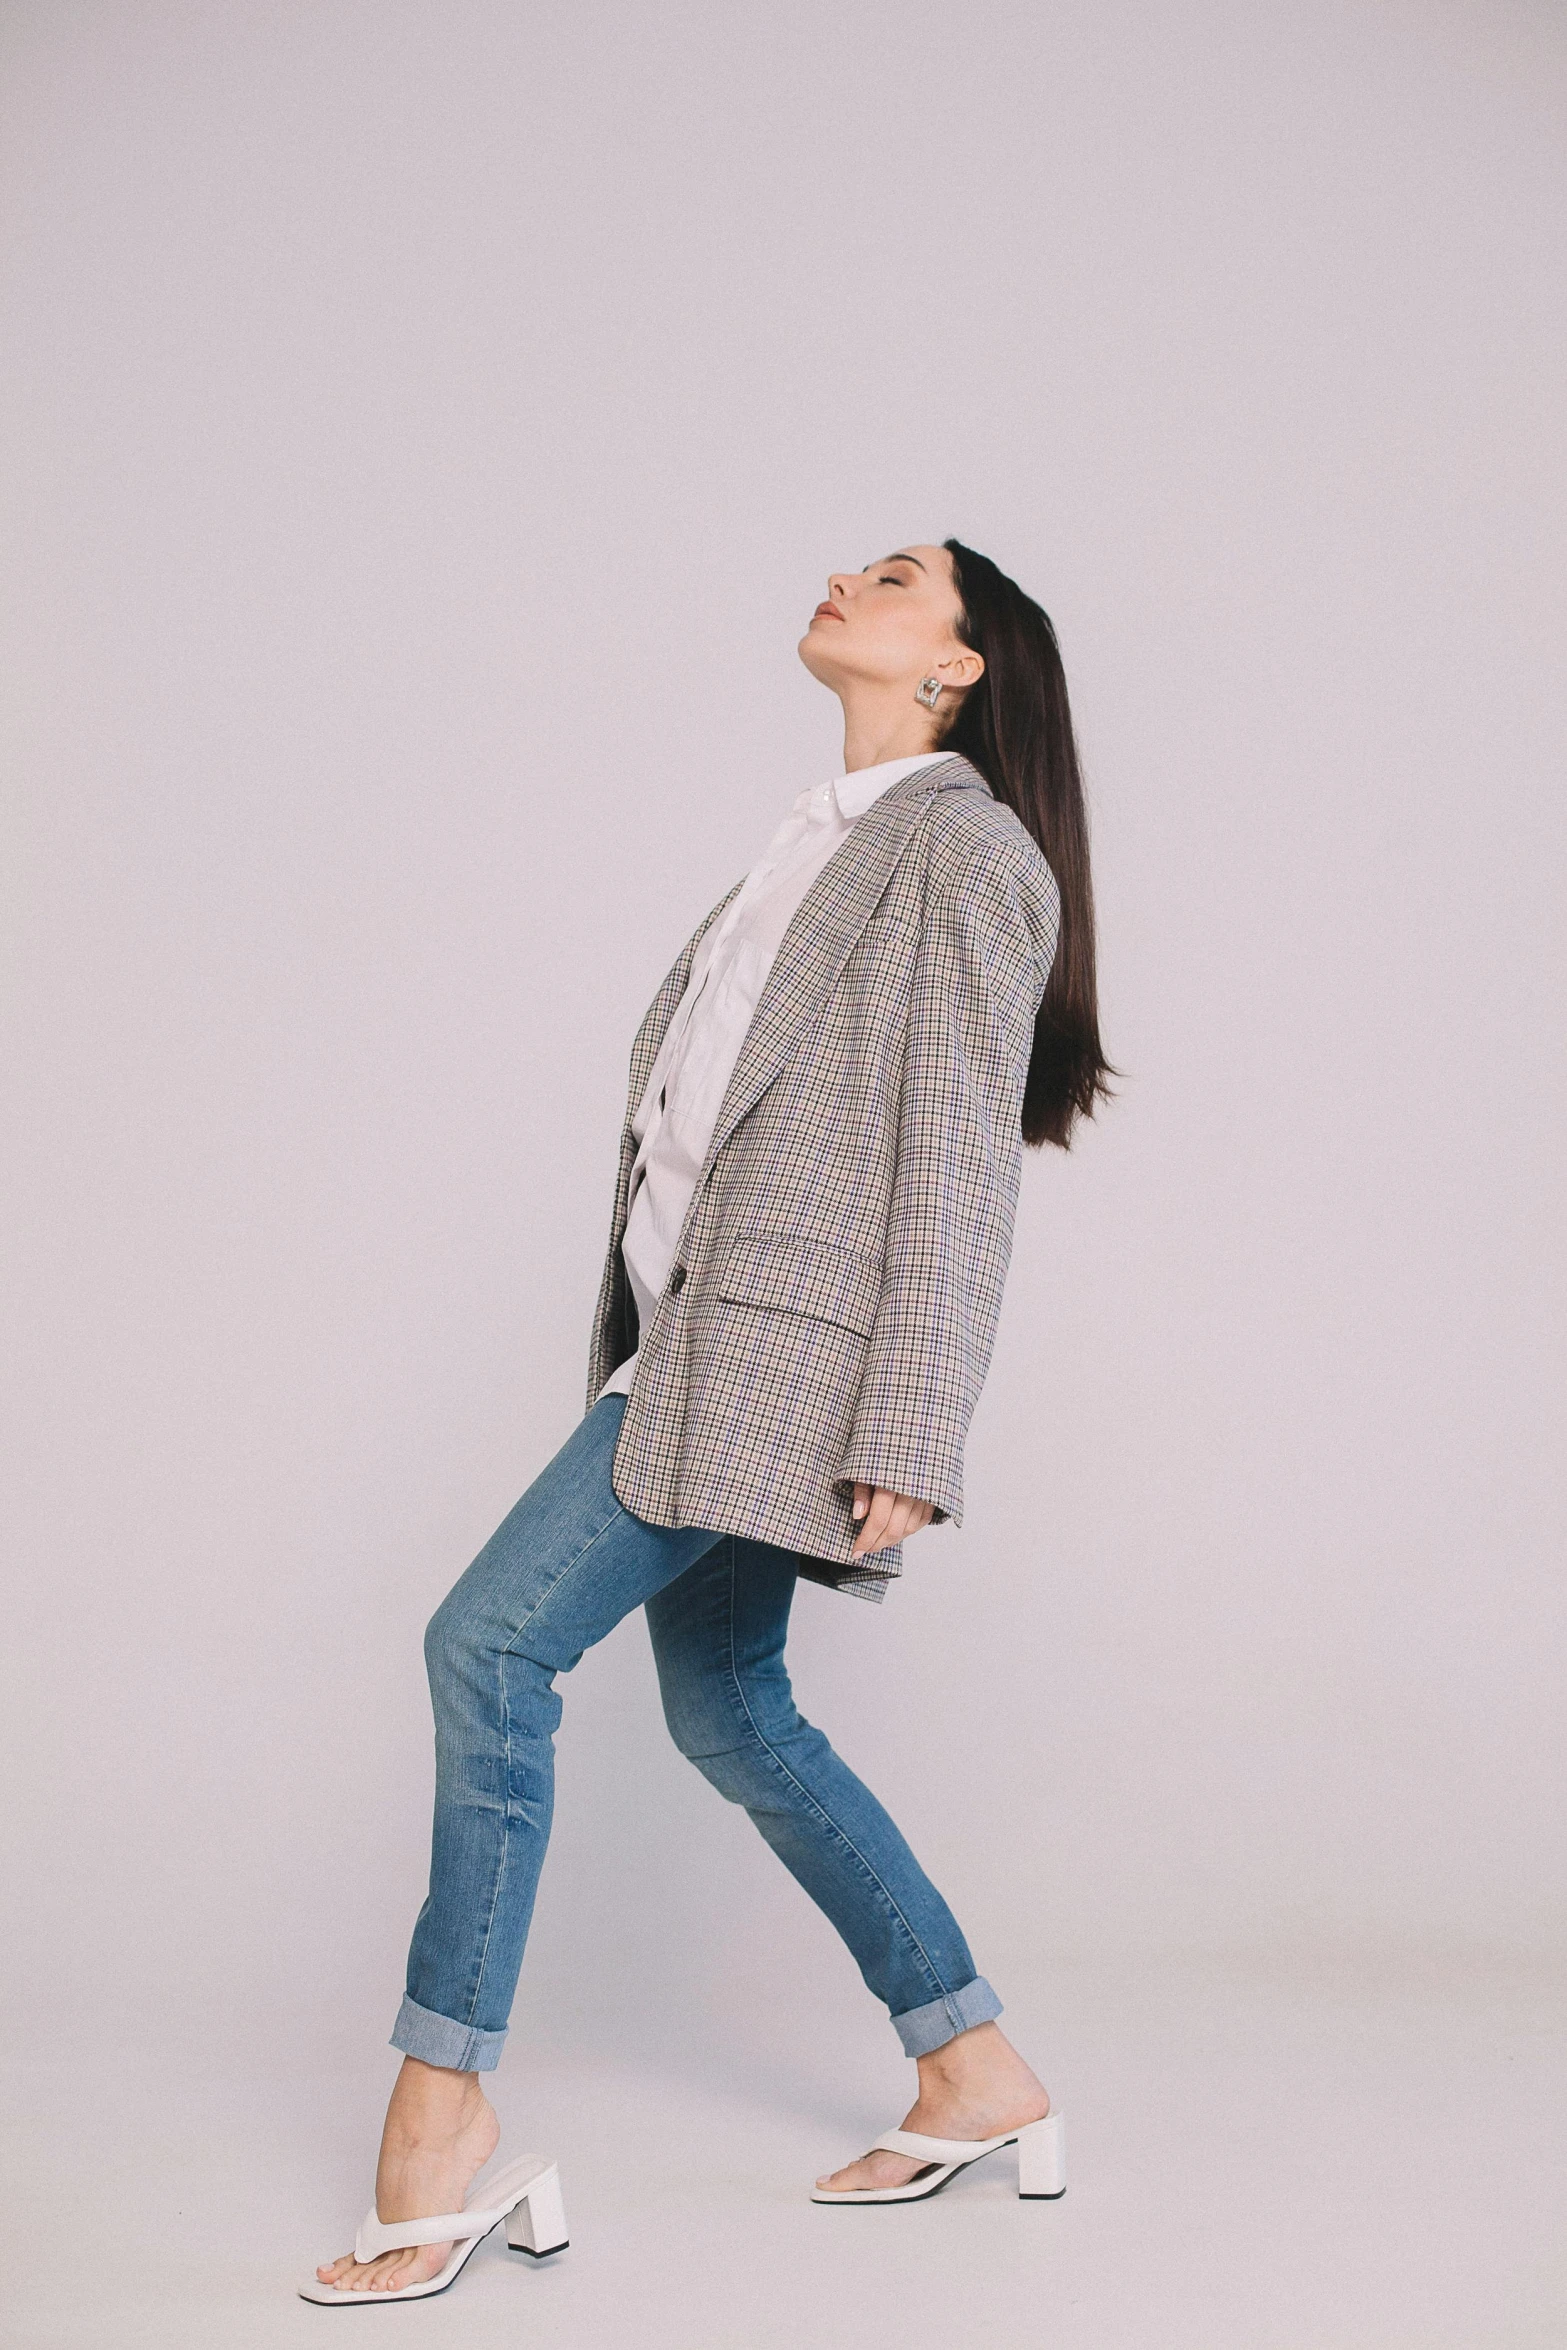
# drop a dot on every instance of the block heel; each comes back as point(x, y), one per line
point(537, 2225)
point(1041, 2159)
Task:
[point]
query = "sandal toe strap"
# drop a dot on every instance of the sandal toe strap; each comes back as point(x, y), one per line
point(923, 2149)
point(402, 2235)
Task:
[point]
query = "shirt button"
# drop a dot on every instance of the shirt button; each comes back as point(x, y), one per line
point(677, 1280)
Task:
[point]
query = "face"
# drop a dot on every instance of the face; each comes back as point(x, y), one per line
point(890, 625)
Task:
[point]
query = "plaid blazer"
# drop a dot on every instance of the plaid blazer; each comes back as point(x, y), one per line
point(831, 1310)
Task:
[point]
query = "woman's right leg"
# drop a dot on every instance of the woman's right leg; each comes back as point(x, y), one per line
point(558, 1574)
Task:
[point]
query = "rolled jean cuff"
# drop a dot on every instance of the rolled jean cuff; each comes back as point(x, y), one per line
point(923, 2028)
point(435, 2039)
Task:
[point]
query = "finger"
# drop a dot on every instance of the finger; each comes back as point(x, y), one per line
point(887, 1528)
point(891, 1524)
point(906, 1516)
point(873, 1533)
point(904, 1519)
point(862, 1500)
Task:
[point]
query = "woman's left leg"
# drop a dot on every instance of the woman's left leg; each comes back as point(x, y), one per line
point(718, 1635)
point(718, 1638)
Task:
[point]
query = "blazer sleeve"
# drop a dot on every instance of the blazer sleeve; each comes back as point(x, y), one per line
point(988, 941)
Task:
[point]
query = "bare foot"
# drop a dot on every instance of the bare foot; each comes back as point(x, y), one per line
point(976, 2086)
point(440, 2132)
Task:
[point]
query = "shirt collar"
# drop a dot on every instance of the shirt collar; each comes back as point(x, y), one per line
point(854, 793)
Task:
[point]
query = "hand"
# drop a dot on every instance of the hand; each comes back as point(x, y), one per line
point(889, 1518)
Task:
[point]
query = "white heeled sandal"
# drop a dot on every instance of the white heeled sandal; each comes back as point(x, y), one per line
point(1041, 2163)
point(525, 2194)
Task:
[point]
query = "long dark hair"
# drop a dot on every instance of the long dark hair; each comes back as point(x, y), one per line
point(1015, 725)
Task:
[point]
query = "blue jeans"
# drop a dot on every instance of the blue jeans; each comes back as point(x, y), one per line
point(558, 1574)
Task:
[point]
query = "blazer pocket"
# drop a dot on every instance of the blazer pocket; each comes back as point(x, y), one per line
point(808, 1277)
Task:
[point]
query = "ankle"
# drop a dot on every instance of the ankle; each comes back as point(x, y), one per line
point(429, 2105)
point(978, 2050)
point(976, 2068)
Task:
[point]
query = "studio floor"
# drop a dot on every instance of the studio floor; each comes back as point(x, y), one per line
point(1359, 2155)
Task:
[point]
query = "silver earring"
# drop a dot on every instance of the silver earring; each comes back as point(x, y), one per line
point(928, 691)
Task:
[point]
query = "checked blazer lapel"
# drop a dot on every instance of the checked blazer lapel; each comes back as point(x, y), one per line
point(644, 1051)
point(822, 934)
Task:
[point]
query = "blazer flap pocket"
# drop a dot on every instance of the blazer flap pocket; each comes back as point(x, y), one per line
point(807, 1277)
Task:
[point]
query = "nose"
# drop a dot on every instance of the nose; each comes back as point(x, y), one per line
point(841, 585)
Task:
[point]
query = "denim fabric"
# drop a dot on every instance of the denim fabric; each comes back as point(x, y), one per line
point(557, 1575)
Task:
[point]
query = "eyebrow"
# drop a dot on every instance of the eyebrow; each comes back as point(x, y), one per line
point(914, 559)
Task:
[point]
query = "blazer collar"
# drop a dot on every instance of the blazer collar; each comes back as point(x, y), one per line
point(824, 928)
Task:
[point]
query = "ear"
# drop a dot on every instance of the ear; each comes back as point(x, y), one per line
point(966, 668)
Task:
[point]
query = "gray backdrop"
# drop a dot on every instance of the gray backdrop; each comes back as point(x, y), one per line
point(430, 429)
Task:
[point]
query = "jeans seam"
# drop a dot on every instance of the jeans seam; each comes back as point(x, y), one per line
point(505, 1712)
point(810, 1801)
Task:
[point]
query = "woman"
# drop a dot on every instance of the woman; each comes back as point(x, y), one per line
point(813, 1216)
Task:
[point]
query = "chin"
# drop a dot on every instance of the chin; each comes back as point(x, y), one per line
point(813, 650)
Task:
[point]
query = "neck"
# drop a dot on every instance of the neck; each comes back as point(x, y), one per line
point(884, 728)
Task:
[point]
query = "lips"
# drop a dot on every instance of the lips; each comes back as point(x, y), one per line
point(826, 612)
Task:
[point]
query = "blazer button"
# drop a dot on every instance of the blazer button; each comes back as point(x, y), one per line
point(677, 1280)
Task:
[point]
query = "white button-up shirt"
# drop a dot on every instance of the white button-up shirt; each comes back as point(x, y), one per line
point(674, 1120)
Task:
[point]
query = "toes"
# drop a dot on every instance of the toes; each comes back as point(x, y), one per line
point(862, 2177)
point(395, 2271)
point(390, 2273)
